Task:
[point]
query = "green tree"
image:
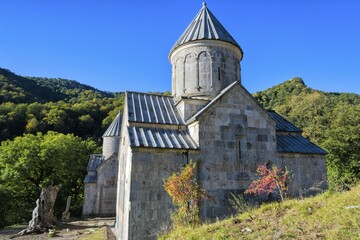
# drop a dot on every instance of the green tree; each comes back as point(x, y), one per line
point(30, 162)
point(343, 144)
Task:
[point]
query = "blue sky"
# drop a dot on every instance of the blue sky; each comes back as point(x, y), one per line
point(124, 45)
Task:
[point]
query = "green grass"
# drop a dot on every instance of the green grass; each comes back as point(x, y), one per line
point(322, 217)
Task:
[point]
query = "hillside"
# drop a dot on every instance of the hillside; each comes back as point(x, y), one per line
point(331, 120)
point(282, 94)
point(19, 89)
point(311, 110)
point(327, 216)
point(32, 104)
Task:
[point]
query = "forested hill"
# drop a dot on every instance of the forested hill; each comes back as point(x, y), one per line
point(283, 93)
point(19, 89)
point(32, 104)
point(306, 107)
point(332, 120)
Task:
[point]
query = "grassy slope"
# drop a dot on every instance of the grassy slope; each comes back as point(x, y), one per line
point(322, 217)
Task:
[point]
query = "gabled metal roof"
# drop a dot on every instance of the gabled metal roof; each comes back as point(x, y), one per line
point(283, 125)
point(115, 127)
point(297, 144)
point(160, 138)
point(205, 26)
point(95, 161)
point(152, 108)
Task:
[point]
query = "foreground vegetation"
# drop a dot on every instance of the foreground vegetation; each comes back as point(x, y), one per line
point(32, 162)
point(332, 215)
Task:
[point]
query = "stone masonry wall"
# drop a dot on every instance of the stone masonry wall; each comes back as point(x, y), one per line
point(204, 68)
point(123, 189)
point(110, 146)
point(150, 205)
point(100, 196)
point(235, 136)
point(89, 206)
point(107, 180)
point(306, 171)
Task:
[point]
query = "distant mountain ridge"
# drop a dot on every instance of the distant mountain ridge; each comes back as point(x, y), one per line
point(20, 89)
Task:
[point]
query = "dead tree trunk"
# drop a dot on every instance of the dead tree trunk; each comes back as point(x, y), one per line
point(43, 217)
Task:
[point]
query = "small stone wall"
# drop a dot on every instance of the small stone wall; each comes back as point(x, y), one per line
point(307, 173)
point(100, 196)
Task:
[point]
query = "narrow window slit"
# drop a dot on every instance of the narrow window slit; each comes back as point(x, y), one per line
point(239, 149)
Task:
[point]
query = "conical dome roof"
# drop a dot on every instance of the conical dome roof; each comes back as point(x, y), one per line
point(115, 127)
point(205, 26)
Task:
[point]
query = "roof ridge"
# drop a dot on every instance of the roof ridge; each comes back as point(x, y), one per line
point(154, 94)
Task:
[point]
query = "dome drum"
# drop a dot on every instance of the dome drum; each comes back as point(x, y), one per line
point(204, 68)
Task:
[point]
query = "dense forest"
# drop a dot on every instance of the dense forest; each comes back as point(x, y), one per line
point(31, 105)
point(48, 128)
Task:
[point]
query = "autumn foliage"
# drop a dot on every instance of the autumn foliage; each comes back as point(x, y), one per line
point(186, 194)
point(271, 181)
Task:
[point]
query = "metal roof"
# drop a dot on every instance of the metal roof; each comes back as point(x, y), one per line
point(297, 144)
point(160, 138)
point(205, 26)
point(152, 108)
point(115, 127)
point(90, 179)
point(283, 125)
point(95, 161)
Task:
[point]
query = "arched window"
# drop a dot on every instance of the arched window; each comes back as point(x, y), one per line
point(190, 73)
point(179, 76)
point(205, 81)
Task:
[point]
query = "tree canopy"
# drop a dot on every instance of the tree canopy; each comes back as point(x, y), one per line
point(31, 105)
point(31, 162)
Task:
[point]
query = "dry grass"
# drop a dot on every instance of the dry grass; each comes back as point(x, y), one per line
point(327, 216)
point(97, 234)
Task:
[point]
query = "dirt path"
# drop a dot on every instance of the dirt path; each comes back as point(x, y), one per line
point(70, 230)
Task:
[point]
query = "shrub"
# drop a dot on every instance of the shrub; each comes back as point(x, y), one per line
point(271, 181)
point(186, 194)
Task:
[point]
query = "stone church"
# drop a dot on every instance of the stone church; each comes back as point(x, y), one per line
point(210, 118)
